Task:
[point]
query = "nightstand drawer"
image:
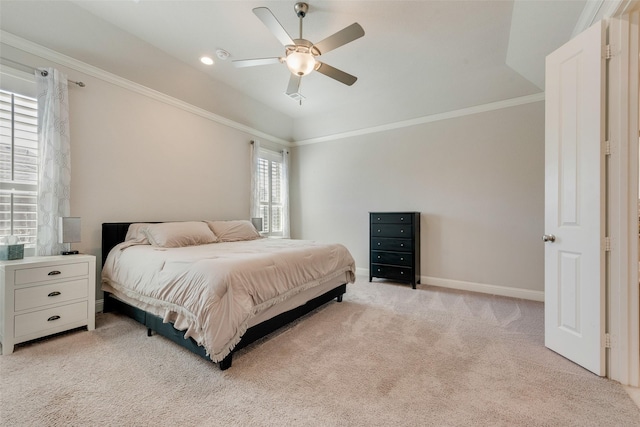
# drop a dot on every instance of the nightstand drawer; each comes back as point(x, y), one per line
point(41, 274)
point(38, 296)
point(392, 258)
point(30, 323)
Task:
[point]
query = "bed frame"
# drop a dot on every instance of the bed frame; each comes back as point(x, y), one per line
point(115, 232)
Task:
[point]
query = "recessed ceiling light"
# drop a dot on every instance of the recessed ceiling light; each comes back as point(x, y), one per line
point(206, 60)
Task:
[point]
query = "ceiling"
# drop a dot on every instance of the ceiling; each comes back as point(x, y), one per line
point(417, 58)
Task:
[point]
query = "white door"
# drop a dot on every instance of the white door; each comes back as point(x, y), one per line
point(575, 200)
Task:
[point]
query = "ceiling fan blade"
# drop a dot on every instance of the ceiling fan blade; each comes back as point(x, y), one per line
point(239, 63)
point(294, 85)
point(272, 23)
point(342, 37)
point(336, 74)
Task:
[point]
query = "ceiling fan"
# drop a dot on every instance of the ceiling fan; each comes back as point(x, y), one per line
point(300, 54)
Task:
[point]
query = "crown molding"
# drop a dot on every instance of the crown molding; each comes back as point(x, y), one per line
point(74, 64)
point(513, 102)
point(600, 9)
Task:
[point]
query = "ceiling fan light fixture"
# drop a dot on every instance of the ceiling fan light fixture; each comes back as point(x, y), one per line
point(300, 61)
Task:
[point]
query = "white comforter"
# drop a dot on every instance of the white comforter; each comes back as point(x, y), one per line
point(212, 291)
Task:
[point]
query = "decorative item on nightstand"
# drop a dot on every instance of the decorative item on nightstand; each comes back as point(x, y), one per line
point(69, 232)
point(10, 249)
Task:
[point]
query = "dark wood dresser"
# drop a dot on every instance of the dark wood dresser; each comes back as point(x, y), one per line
point(394, 242)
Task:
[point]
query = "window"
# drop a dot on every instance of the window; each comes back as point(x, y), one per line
point(18, 167)
point(271, 186)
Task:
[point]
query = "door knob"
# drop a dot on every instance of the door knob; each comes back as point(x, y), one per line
point(549, 238)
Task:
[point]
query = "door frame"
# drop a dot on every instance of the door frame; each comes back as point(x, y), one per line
point(622, 207)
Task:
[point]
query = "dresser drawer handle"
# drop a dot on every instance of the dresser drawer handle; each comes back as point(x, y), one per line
point(402, 272)
point(378, 243)
point(402, 245)
point(53, 273)
point(401, 259)
point(402, 231)
point(52, 318)
point(378, 256)
point(401, 218)
point(378, 270)
point(378, 231)
point(54, 294)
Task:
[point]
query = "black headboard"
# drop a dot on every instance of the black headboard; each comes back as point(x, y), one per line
point(112, 234)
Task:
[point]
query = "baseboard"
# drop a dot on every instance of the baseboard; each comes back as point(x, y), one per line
point(99, 305)
point(484, 288)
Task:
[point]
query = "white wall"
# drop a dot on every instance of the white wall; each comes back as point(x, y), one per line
point(478, 181)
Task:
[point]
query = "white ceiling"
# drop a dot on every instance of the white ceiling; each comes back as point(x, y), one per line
point(417, 58)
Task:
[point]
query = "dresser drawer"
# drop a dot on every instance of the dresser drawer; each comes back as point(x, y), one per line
point(391, 218)
point(391, 230)
point(392, 258)
point(38, 296)
point(391, 244)
point(37, 321)
point(41, 274)
point(393, 272)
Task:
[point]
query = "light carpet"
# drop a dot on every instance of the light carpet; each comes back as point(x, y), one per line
point(387, 355)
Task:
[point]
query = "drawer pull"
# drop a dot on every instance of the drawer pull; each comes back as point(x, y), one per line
point(53, 273)
point(402, 272)
point(52, 318)
point(401, 259)
point(402, 231)
point(378, 231)
point(378, 243)
point(402, 219)
point(402, 245)
point(54, 294)
point(378, 256)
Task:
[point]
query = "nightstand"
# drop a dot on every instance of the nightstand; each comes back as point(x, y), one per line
point(40, 296)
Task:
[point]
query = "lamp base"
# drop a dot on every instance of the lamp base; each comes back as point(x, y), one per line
point(69, 253)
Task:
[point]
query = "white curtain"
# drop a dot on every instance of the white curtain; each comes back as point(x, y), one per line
point(255, 181)
point(54, 172)
point(286, 229)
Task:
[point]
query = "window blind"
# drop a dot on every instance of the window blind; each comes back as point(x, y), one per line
point(18, 167)
point(270, 184)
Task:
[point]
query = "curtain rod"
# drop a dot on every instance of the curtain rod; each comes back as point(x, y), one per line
point(44, 73)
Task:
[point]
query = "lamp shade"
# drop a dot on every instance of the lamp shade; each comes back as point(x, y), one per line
point(257, 223)
point(69, 229)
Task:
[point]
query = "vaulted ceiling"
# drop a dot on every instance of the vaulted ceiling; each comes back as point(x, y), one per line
point(417, 58)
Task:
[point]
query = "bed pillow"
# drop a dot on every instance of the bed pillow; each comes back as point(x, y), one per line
point(234, 231)
point(136, 234)
point(179, 234)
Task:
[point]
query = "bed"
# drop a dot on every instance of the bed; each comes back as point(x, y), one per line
point(214, 287)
